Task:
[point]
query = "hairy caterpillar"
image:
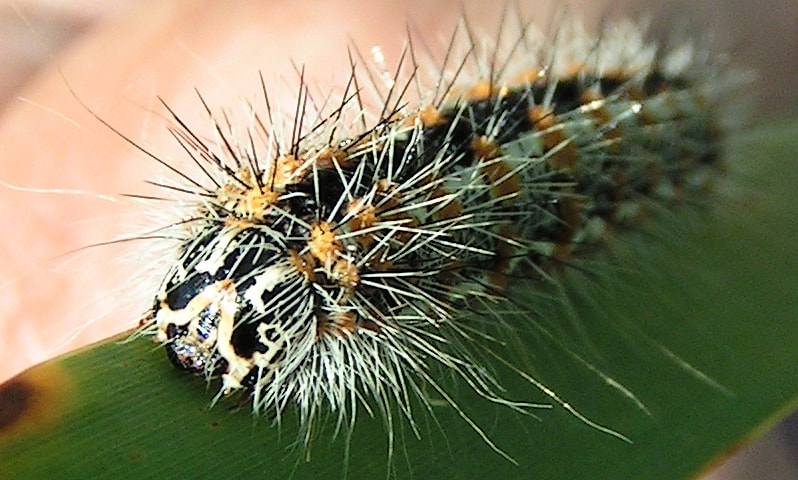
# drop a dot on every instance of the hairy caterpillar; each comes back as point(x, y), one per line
point(325, 261)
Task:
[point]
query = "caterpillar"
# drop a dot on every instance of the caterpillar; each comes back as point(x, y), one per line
point(332, 257)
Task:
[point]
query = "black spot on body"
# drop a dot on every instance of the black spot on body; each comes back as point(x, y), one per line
point(179, 294)
point(567, 96)
point(303, 200)
point(245, 339)
point(271, 334)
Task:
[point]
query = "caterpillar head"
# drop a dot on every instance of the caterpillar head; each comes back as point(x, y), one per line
point(233, 306)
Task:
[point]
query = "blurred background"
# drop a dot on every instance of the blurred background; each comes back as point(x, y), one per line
point(762, 36)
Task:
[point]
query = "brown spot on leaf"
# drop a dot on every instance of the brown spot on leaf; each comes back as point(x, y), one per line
point(32, 400)
point(15, 396)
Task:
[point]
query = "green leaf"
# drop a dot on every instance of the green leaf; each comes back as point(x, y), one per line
point(699, 324)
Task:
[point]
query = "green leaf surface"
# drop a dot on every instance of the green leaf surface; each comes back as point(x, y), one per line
point(716, 293)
